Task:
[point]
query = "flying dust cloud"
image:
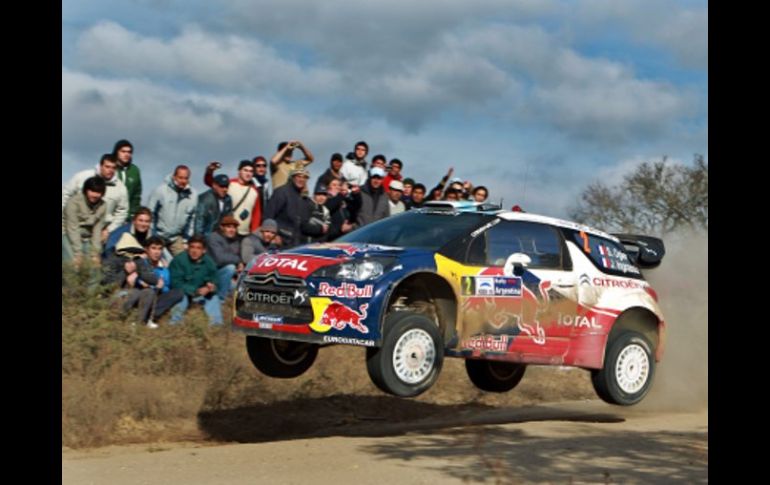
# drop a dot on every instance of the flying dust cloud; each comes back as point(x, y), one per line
point(681, 281)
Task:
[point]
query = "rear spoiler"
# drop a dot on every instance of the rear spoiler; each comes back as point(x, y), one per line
point(645, 251)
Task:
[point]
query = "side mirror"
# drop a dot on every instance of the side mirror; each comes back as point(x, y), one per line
point(516, 263)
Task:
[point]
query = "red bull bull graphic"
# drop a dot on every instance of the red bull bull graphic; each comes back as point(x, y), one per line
point(338, 316)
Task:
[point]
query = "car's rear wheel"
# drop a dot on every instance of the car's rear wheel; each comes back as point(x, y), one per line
point(411, 356)
point(494, 376)
point(280, 358)
point(629, 366)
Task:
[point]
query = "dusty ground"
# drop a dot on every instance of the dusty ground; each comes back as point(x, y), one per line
point(572, 442)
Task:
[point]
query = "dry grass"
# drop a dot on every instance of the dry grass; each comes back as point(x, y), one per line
point(129, 384)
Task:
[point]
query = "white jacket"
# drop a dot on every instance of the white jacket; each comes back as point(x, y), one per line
point(115, 198)
point(354, 173)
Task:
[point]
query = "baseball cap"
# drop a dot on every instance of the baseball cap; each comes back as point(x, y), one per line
point(376, 172)
point(222, 180)
point(229, 221)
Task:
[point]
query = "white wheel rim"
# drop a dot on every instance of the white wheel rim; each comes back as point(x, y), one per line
point(632, 368)
point(280, 353)
point(414, 356)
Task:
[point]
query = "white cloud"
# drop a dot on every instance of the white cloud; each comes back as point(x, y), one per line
point(170, 127)
point(681, 30)
point(224, 61)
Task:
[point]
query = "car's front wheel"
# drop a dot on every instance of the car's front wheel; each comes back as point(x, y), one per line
point(494, 376)
point(628, 369)
point(411, 356)
point(280, 358)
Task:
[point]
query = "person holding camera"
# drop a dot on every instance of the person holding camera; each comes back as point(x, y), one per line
point(281, 164)
point(316, 228)
point(289, 208)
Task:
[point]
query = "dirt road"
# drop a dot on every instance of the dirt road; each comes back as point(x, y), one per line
point(573, 442)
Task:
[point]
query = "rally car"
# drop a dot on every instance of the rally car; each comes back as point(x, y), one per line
point(497, 288)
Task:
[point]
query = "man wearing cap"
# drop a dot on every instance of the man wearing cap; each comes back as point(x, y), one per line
point(247, 196)
point(393, 174)
point(354, 168)
point(289, 208)
point(316, 228)
point(395, 205)
point(281, 164)
point(374, 201)
point(212, 205)
point(225, 249)
point(261, 241)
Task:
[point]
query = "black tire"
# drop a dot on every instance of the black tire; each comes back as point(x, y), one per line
point(629, 368)
point(419, 356)
point(280, 358)
point(494, 376)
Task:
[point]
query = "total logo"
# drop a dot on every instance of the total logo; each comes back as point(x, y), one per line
point(578, 321)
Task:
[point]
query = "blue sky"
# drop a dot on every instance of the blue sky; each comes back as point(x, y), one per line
point(533, 99)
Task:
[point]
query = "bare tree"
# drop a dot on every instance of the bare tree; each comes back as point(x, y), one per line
point(655, 199)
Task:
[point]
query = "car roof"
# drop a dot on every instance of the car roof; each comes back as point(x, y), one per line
point(492, 209)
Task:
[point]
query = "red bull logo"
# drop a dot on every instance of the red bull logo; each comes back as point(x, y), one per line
point(338, 316)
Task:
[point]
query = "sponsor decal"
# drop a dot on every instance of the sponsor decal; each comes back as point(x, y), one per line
point(265, 297)
point(485, 286)
point(338, 316)
point(265, 326)
point(348, 340)
point(491, 343)
point(299, 298)
point(345, 290)
point(491, 286)
point(617, 283)
point(291, 264)
point(613, 258)
point(351, 249)
point(578, 321)
point(267, 319)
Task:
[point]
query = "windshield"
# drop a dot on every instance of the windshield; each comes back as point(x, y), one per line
point(417, 230)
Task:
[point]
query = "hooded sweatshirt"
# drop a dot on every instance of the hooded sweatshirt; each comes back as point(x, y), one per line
point(172, 210)
point(115, 199)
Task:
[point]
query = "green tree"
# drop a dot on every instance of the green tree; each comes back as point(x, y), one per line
point(655, 199)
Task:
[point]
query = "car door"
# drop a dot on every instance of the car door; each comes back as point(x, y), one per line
point(518, 311)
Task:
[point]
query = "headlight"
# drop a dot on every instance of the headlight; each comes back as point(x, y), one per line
point(359, 270)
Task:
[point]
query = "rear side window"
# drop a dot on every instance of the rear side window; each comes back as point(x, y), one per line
point(607, 255)
point(540, 242)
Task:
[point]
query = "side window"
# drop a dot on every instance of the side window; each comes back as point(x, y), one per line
point(477, 252)
point(538, 241)
point(607, 255)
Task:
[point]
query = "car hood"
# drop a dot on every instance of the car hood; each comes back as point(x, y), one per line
point(304, 260)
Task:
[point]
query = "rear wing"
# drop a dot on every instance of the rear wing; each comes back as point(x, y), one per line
point(645, 251)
